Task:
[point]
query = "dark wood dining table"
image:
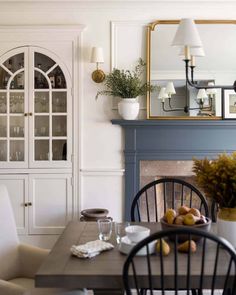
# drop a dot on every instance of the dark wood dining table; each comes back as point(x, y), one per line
point(102, 273)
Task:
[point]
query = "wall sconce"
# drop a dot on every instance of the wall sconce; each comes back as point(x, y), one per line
point(98, 75)
point(211, 91)
point(202, 96)
point(188, 40)
point(187, 37)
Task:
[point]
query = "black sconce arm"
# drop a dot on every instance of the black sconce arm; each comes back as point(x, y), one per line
point(193, 84)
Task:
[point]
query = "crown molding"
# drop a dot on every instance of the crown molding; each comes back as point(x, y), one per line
point(43, 6)
point(118, 1)
point(67, 28)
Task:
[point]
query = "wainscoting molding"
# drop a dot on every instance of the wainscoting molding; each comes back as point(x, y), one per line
point(102, 172)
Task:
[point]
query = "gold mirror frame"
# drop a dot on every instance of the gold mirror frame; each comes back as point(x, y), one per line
point(150, 28)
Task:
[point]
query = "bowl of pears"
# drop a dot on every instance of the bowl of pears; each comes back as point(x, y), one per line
point(187, 217)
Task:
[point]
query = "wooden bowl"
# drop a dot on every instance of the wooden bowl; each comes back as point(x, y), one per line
point(182, 238)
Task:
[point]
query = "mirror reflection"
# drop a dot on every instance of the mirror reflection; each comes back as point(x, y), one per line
point(166, 67)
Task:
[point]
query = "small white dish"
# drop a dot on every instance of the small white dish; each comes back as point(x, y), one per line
point(126, 246)
point(136, 233)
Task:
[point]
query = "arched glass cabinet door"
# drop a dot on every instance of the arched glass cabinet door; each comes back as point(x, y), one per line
point(13, 109)
point(35, 110)
point(51, 111)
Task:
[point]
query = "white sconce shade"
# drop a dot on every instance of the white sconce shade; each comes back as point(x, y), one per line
point(170, 88)
point(97, 55)
point(194, 51)
point(98, 75)
point(162, 94)
point(202, 94)
point(211, 91)
point(187, 34)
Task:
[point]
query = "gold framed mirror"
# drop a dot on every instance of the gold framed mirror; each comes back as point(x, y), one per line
point(165, 65)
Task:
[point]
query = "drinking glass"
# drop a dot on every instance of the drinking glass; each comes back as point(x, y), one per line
point(104, 229)
point(120, 230)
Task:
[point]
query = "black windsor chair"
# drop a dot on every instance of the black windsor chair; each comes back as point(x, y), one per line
point(152, 201)
point(214, 210)
point(212, 267)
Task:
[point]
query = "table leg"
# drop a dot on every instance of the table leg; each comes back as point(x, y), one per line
point(108, 292)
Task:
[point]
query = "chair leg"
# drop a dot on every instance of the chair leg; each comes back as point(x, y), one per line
point(227, 292)
point(195, 292)
point(143, 291)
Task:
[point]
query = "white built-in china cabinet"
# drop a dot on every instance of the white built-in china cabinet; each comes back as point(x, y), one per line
point(37, 119)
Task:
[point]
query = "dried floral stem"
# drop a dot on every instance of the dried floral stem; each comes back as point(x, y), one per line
point(218, 179)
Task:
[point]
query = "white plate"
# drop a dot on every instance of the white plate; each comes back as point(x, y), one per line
point(126, 245)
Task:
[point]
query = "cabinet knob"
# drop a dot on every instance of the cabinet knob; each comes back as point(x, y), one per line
point(30, 114)
point(29, 204)
point(25, 114)
point(26, 204)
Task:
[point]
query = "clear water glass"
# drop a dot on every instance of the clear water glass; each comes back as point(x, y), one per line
point(120, 230)
point(104, 229)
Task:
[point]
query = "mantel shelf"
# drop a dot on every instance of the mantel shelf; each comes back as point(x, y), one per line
point(173, 122)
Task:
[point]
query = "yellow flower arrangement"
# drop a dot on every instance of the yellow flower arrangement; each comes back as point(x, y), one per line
point(218, 178)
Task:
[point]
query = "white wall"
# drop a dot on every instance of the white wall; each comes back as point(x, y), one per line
point(101, 144)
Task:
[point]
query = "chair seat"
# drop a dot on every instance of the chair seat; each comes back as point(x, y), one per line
point(28, 284)
point(23, 282)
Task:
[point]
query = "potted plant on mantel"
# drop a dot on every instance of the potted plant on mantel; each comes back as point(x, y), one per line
point(218, 180)
point(127, 85)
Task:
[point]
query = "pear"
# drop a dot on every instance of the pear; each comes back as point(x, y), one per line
point(165, 247)
point(170, 216)
point(179, 220)
point(190, 219)
point(195, 212)
point(183, 210)
point(184, 247)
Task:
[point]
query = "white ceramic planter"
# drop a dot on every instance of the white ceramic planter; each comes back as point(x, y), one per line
point(226, 225)
point(128, 108)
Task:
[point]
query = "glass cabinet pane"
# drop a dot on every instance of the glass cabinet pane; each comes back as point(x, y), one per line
point(14, 63)
point(40, 82)
point(41, 150)
point(16, 150)
point(3, 103)
point(3, 150)
point(41, 102)
point(43, 62)
point(16, 126)
point(3, 126)
point(59, 102)
point(57, 78)
point(18, 81)
point(59, 126)
point(17, 102)
point(4, 78)
point(59, 150)
point(41, 126)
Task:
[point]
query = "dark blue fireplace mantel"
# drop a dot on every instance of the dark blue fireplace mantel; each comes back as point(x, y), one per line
point(171, 140)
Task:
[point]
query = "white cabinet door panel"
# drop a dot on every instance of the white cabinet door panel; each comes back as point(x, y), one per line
point(51, 198)
point(17, 186)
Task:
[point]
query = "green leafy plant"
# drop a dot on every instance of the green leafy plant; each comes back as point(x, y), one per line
point(218, 179)
point(126, 83)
